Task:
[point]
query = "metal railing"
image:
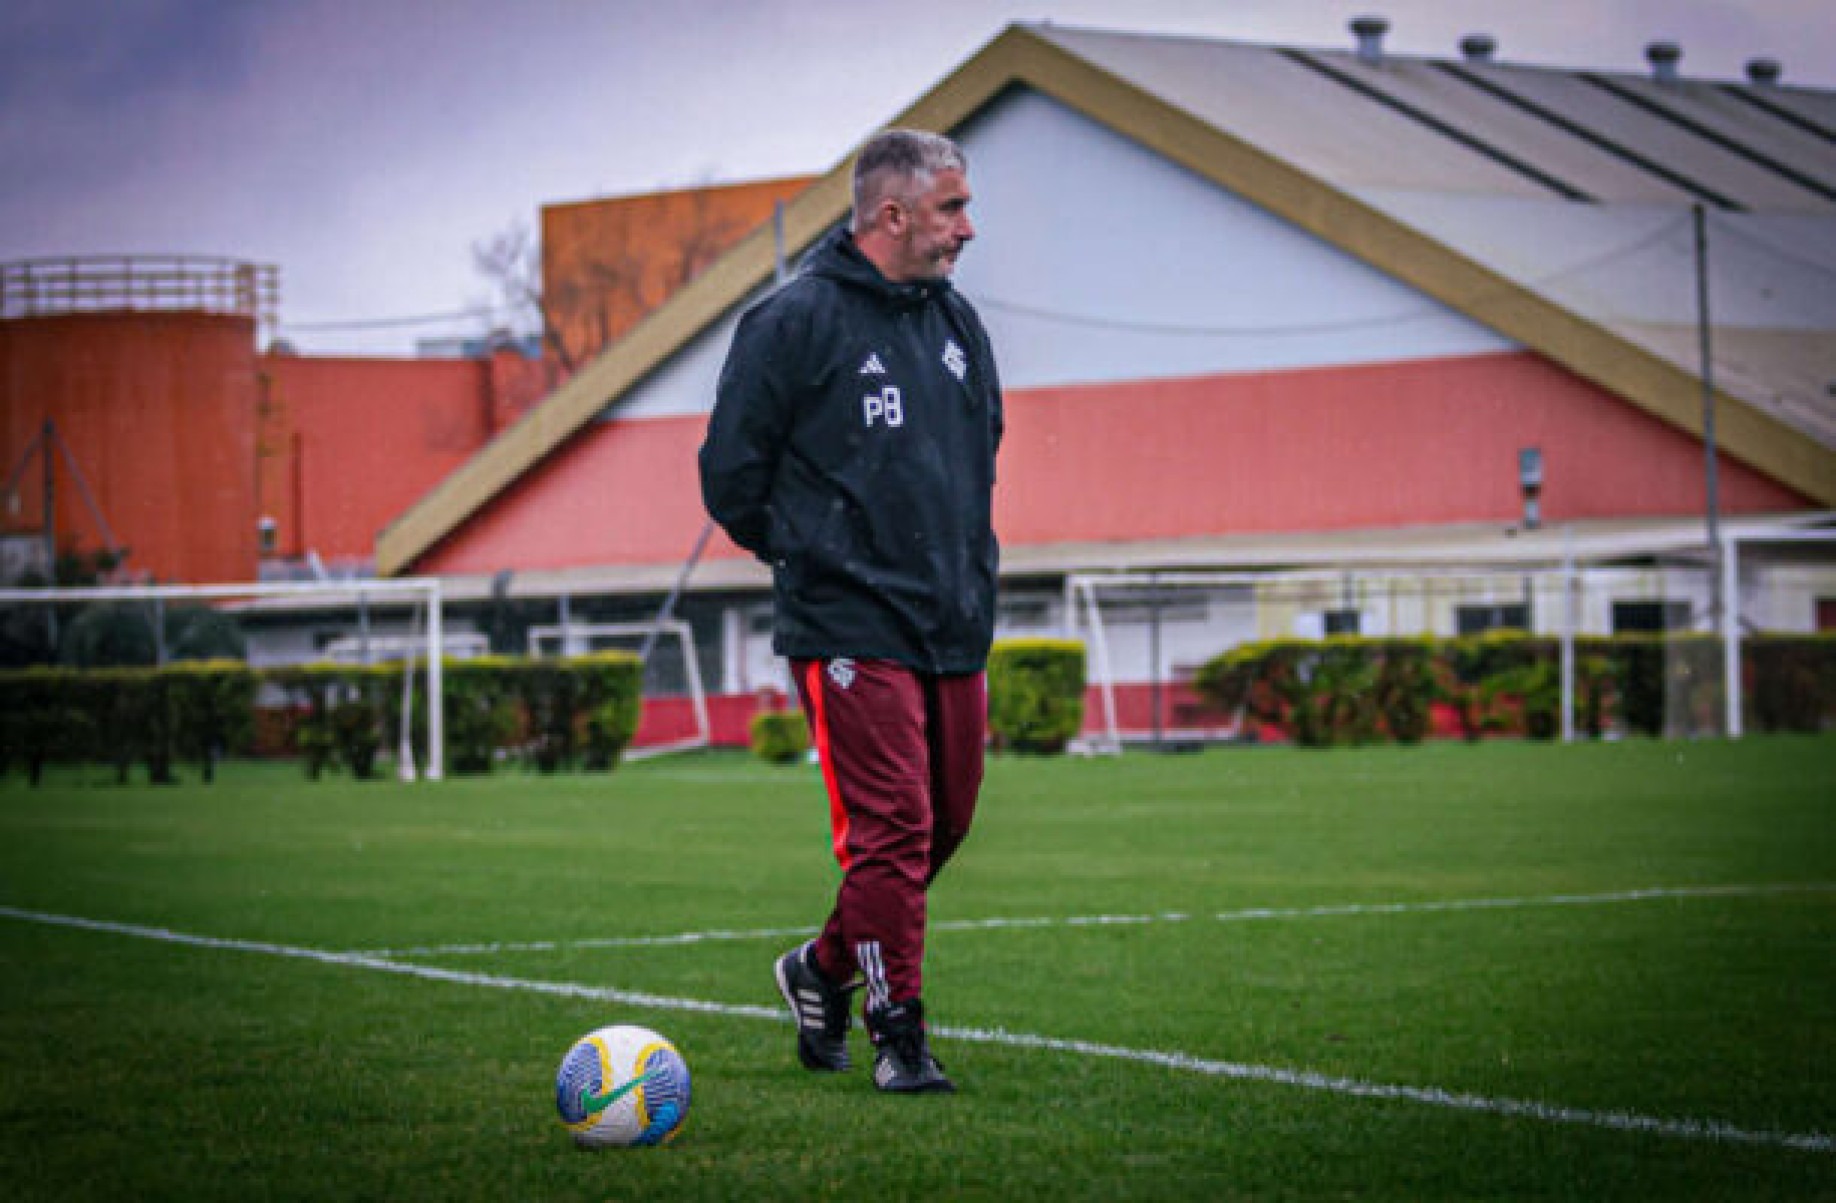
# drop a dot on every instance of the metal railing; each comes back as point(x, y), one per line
point(138, 283)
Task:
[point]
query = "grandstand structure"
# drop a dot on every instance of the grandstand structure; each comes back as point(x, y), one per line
point(1265, 315)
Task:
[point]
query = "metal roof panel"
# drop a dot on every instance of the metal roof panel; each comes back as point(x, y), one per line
point(1468, 96)
point(1815, 112)
point(1319, 126)
point(1718, 176)
point(1704, 111)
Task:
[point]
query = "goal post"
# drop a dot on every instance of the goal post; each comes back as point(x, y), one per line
point(1386, 601)
point(643, 638)
point(1692, 617)
point(1745, 555)
point(425, 590)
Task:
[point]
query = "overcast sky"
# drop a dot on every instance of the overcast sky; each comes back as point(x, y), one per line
point(365, 146)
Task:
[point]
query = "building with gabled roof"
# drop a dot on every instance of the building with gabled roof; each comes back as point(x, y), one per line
point(1259, 306)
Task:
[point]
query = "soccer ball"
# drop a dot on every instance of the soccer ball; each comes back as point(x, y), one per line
point(622, 1085)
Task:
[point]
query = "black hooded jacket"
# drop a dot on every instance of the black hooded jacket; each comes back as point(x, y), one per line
point(852, 448)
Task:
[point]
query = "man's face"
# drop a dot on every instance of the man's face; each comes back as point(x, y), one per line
point(936, 226)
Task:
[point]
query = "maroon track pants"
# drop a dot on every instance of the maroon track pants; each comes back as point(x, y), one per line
point(901, 756)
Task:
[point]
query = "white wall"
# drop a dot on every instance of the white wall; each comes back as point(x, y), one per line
point(1098, 260)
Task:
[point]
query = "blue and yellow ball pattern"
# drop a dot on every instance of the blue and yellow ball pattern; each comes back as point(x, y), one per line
point(622, 1085)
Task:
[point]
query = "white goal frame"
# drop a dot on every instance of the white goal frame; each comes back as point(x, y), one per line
point(675, 628)
point(1085, 587)
point(426, 588)
point(1730, 610)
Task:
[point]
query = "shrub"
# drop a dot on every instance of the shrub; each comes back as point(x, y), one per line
point(1036, 694)
point(584, 708)
point(1471, 669)
point(113, 634)
point(122, 633)
point(343, 717)
point(1349, 690)
point(780, 736)
point(1535, 689)
point(1640, 659)
point(1596, 686)
point(1342, 693)
point(213, 705)
point(611, 696)
point(1321, 692)
point(124, 730)
point(152, 693)
point(1240, 681)
point(480, 717)
point(1792, 681)
point(39, 717)
point(548, 691)
point(1407, 688)
point(203, 633)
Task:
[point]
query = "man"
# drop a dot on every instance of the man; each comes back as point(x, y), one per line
point(852, 448)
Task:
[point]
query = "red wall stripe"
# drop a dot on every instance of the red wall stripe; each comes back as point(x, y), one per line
point(1372, 446)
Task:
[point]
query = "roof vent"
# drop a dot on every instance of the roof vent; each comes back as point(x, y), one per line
point(1478, 47)
point(1369, 31)
point(1763, 72)
point(1663, 57)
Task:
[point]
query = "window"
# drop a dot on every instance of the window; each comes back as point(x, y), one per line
point(1025, 611)
point(1341, 622)
point(1471, 620)
point(1650, 616)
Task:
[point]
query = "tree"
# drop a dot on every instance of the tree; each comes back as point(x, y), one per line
point(643, 250)
point(26, 632)
point(512, 260)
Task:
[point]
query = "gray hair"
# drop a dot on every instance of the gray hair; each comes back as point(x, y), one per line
point(900, 163)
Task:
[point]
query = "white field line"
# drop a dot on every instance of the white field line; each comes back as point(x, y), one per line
point(1043, 921)
point(1621, 1121)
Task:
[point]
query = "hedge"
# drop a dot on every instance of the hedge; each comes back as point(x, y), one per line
point(779, 736)
point(1348, 689)
point(580, 711)
point(195, 710)
point(1035, 694)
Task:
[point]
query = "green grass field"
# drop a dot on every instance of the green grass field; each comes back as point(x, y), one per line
point(1452, 972)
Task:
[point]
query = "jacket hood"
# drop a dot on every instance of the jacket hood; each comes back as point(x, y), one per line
point(837, 258)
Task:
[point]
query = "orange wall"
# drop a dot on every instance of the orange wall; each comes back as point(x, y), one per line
point(348, 444)
point(159, 411)
point(618, 493)
point(1372, 446)
point(1416, 443)
point(606, 263)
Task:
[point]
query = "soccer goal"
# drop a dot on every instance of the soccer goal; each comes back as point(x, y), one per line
point(673, 693)
point(1771, 580)
point(1147, 633)
point(1696, 621)
point(244, 601)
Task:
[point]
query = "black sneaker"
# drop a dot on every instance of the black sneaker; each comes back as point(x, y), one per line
point(820, 1008)
point(902, 1061)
